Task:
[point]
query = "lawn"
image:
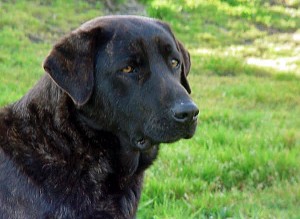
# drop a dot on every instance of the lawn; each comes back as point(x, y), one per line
point(244, 161)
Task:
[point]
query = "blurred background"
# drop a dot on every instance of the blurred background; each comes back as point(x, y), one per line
point(244, 161)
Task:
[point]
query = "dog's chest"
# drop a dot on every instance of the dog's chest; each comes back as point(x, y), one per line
point(62, 176)
point(69, 199)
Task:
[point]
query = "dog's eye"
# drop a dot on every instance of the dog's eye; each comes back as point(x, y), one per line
point(174, 63)
point(127, 69)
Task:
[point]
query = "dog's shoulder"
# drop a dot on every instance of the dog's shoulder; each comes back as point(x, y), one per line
point(19, 197)
point(6, 118)
point(7, 121)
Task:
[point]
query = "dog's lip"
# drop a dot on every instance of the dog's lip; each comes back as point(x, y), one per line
point(142, 143)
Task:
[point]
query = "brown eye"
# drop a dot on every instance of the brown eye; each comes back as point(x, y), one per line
point(175, 63)
point(128, 69)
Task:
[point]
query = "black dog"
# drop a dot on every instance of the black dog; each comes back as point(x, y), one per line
point(77, 144)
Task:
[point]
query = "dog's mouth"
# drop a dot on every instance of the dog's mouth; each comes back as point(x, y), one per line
point(142, 143)
point(145, 141)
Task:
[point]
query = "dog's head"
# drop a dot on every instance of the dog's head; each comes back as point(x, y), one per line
point(127, 75)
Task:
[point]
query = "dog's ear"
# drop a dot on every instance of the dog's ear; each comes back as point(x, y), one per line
point(71, 63)
point(185, 69)
point(186, 65)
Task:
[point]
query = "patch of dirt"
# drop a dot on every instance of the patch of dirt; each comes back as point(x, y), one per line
point(272, 30)
point(34, 38)
point(129, 7)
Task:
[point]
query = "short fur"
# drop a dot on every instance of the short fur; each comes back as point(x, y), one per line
point(77, 144)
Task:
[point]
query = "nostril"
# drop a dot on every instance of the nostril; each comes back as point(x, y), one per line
point(196, 114)
point(181, 115)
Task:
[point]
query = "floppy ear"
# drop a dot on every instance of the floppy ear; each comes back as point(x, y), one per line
point(71, 64)
point(186, 65)
point(185, 55)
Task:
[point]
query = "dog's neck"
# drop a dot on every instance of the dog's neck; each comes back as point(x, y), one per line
point(47, 103)
point(62, 154)
point(44, 97)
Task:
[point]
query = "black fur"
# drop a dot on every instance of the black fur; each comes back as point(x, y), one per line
point(77, 144)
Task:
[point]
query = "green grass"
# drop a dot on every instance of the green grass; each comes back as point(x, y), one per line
point(28, 29)
point(244, 159)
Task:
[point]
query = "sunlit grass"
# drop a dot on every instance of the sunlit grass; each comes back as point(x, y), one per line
point(252, 32)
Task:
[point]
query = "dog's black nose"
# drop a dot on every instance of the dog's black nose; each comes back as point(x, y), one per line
point(185, 112)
